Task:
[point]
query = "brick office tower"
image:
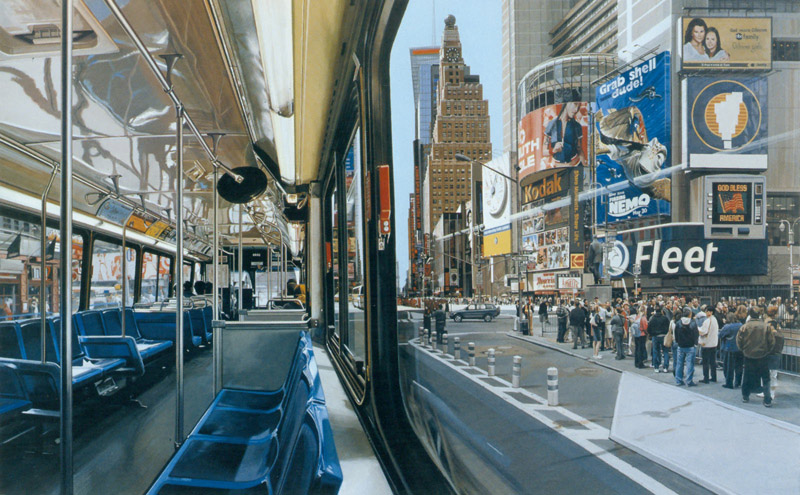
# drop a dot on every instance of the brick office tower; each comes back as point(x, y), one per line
point(461, 127)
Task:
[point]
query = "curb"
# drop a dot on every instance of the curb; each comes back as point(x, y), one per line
point(563, 351)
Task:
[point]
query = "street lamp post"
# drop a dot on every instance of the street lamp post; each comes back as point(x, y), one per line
point(782, 227)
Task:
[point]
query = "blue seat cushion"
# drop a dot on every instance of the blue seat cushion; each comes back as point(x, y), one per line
point(248, 426)
point(149, 348)
point(224, 465)
point(242, 399)
point(88, 371)
point(10, 407)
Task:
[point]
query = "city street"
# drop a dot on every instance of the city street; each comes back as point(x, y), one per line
point(515, 419)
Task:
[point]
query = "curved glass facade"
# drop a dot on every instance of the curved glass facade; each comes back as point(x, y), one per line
point(562, 80)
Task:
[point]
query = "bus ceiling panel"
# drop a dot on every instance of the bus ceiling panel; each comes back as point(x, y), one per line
point(116, 94)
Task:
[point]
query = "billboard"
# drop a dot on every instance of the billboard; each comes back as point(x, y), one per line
point(496, 199)
point(633, 141)
point(684, 250)
point(544, 281)
point(726, 43)
point(569, 281)
point(551, 137)
point(727, 123)
point(550, 249)
point(735, 206)
point(555, 184)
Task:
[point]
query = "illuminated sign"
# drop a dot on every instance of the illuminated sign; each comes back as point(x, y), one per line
point(732, 203)
point(553, 185)
point(735, 206)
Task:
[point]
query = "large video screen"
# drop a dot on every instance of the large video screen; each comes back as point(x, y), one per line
point(733, 203)
point(727, 43)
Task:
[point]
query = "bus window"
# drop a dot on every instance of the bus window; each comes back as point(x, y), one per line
point(106, 284)
point(20, 268)
point(149, 291)
point(164, 278)
point(356, 331)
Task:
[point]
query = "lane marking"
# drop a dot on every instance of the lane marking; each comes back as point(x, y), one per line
point(585, 437)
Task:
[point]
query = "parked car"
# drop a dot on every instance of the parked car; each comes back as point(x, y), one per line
point(477, 312)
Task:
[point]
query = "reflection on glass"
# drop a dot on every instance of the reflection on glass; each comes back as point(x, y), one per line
point(106, 285)
point(335, 259)
point(356, 331)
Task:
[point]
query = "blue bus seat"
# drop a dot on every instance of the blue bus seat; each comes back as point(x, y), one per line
point(199, 327)
point(111, 349)
point(84, 367)
point(89, 323)
point(148, 349)
point(39, 381)
point(31, 334)
point(208, 316)
point(160, 325)
point(247, 438)
point(13, 399)
point(10, 340)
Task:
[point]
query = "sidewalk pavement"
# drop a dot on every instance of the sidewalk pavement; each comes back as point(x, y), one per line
point(786, 406)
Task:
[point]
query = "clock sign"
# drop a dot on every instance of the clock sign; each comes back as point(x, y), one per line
point(497, 192)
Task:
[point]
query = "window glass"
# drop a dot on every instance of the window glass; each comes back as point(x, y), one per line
point(21, 271)
point(335, 257)
point(164, 277)
point(106, 285)
point(197, 274)
point(356, 331)
point(149, 278)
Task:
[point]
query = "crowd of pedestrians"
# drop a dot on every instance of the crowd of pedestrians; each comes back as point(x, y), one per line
point(743, 338)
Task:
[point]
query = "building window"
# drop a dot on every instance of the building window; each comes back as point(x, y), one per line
point(785, 51)
point(782, 207)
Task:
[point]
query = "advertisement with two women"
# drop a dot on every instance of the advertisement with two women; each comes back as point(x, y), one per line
point(632, 142)
point(732, 43)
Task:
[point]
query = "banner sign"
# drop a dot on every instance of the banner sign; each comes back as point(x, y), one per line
point(544, 281)
point(551, 137)
point(735, 206)
point(568, 281)
point(727, 43)
point(727, 123)
point(683, 250)
point(634, 140)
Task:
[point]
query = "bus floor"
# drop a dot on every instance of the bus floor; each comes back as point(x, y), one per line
point(361, 470)
point(118, 447)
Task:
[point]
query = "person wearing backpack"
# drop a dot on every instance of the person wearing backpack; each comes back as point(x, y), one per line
point(657, 328)
point(686, 336)
point(617, 327)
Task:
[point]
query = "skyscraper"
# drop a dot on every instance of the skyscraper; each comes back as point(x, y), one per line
point(461, 127)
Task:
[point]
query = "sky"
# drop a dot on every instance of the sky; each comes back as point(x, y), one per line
point(479, 25)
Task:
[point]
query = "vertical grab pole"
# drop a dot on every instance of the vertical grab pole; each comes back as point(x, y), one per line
point(179, 289)
point(65, 232)
point(124, 271)
point(215, 350)
point(43, 278)
point(240, 263)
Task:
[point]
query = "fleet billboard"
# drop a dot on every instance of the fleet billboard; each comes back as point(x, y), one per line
point(684, 250)
point(633, 140)
point(497, 207)
point(551, 137)
point(726, 43)
point(727, 126)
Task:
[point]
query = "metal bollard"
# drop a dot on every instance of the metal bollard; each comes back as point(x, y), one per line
point(457, 348)
point(491, 362)
point(515, 371)
point(421, 335)
point(471, 346)
point(552, 386)
point(433, 339)
point(426, 342)
point(516, 323)
point(444, 342)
